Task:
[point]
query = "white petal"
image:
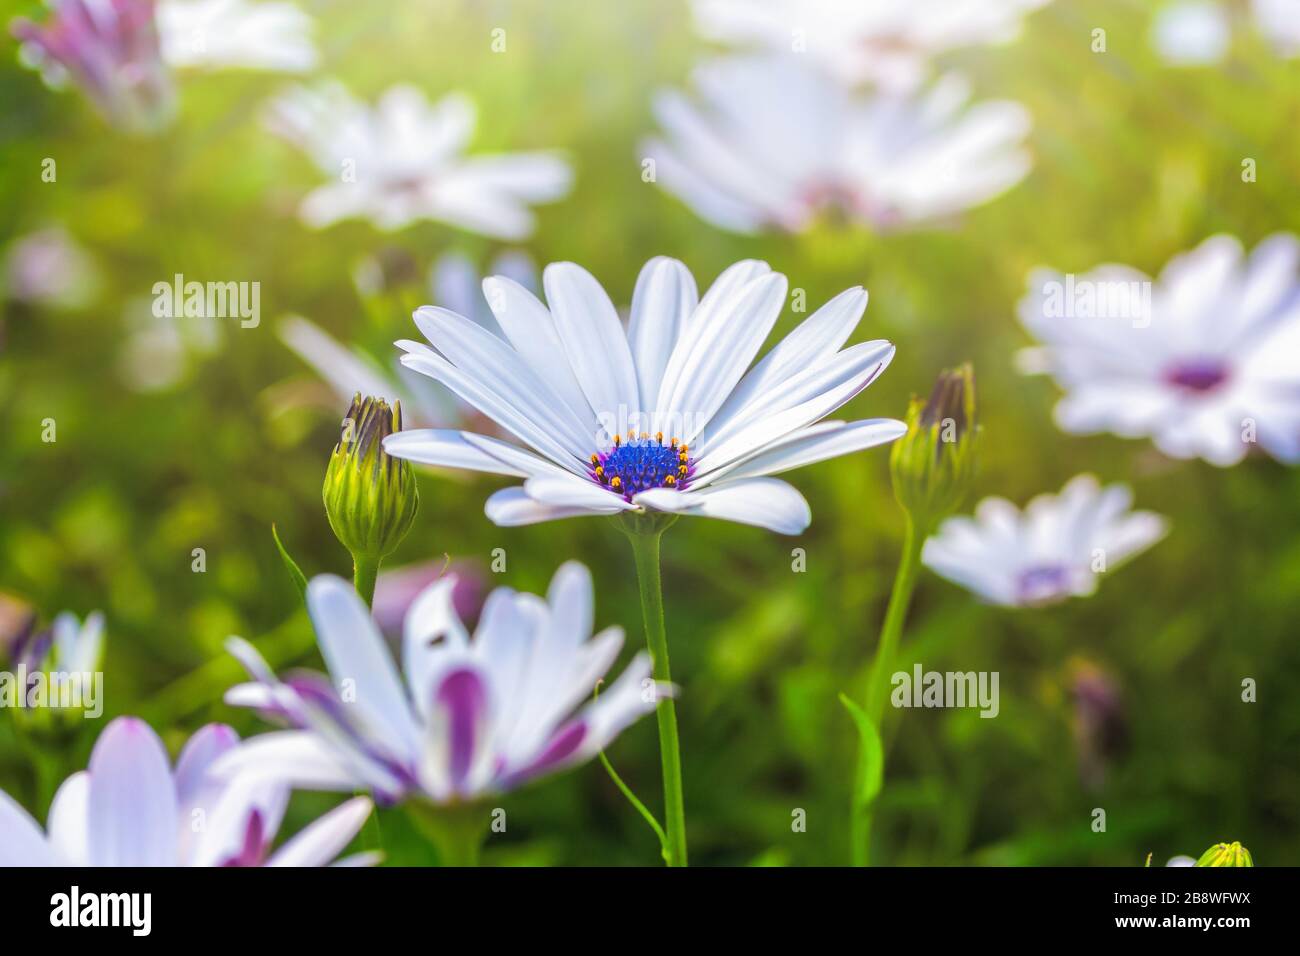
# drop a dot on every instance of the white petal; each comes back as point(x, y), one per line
point(480, 395)
point(346, 371)
point(816, 443)
point(481, 355)
point(297, 758)
point(815, 340)
point(531, 330)
point(197, 757)
point(765, 502)
point(430, 621)
point(593, 339)
point(662, 302)
point(511, 507)
point(355, 651)
point(711, 360)
point(446, 448)
point(818, 394)
point(69, 820)
point(321, 841)
point(21, 841)
point(567, 491)
point(133, 817)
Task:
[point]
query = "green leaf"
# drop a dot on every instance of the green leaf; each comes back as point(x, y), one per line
point(871, 755)
point(295, 572)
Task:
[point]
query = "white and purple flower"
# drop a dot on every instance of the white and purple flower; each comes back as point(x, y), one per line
point(1202, 360)
point(110, 50)
point(403, 160)
point(1053, 550)
point(130, 808)
point(775, 145)
point(475, 716)
point(67, 646)
point(666, 416)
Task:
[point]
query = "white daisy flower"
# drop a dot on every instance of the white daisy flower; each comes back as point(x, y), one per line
point(475, 715)
point(887, 42)
point(1053, 550)
point(661, 417)
point(1194, 32)
point(774, 144)
point(236, 33)
point(130, 808)
point(1202, 360)
point(402, 161)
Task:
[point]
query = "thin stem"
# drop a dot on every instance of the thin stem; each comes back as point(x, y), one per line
point(365, 571)
point(633, 799)
point(645, 551)
point(891, 632)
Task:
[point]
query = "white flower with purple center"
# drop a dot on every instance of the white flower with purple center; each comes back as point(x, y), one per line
point(130, 808)
point(111, 51)
point(886, 42)
point(476, 715)
point(774, 144)
point(1202, 360)
point(403, 161)
point(665, 416)
point(1053, 550)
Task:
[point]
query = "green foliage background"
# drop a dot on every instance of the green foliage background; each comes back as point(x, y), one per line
point(1135, 162)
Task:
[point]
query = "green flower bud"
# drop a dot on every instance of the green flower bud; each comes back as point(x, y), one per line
point(934, 463)
point(370, 497)
point(1226, 854)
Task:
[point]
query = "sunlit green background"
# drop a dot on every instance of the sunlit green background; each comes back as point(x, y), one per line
point(1135, 161)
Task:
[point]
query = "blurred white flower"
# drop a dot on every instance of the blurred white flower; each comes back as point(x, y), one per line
point(48, 268)
point(403, 160)
point(454, 283)
point(1192, 32)
point(131, 809)
point(68, 646)
point(774, 144)
point(1181, 861)
point(666, 416)
point(1279, 21)
point(109, 49)
point(1053, 550)
point(236, 33)
point(476, 715)
point(1199, 32)
point(886, 42)
point(1206, 367)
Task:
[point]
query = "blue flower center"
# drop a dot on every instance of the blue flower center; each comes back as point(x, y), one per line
point(637, 463)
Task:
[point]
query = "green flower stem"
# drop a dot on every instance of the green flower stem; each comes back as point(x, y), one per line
point(365, 571)
point(878, 681)
point(645, 551)
point(456, 832)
